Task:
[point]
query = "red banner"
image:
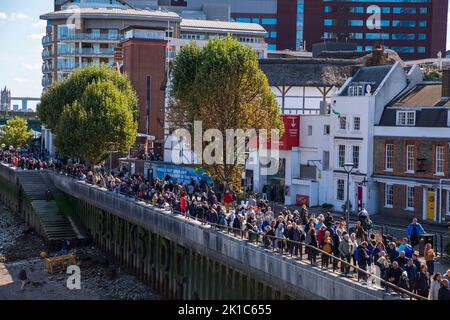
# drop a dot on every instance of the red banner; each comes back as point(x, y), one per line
point(291, 136)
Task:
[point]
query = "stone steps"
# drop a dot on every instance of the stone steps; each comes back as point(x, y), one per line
point(54, 224)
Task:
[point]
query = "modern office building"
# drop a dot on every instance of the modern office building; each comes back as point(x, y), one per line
point(142, 40)
point(283, 19)
point(416, 29)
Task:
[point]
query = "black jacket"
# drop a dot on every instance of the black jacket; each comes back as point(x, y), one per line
point(422, 281)
point(444, 293)
point(395, 273)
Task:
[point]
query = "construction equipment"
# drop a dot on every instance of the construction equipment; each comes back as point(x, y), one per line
point(60, 263)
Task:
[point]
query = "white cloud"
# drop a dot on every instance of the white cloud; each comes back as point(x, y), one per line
point(40, 24)
point(19, 16)
point(36, 36)
point(3, 16)
point(21, 80)
point(35, 66)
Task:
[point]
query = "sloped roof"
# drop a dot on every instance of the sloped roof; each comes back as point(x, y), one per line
point(308, 72)
point(423, 95)
point(372, 75)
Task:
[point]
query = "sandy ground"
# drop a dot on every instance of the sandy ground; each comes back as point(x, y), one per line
point(101, 277)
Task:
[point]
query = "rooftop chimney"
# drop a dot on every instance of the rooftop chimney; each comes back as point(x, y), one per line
point(446, 82)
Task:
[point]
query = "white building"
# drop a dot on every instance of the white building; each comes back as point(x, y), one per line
point(359, 105)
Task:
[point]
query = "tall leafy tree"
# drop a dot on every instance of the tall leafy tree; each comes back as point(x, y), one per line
point(96, 124)
point(65, 92)
point(91, 112)
point(222, 86)
point(16, 132)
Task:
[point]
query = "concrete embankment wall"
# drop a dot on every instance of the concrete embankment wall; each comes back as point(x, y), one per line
point(182, 259)
point(13, 196)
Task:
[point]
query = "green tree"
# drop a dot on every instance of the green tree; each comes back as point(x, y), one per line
point(65, 92)
point(222, 86)
point(16, 132)
point(91, 112)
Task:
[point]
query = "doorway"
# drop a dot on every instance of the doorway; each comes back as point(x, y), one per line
point(431, 204)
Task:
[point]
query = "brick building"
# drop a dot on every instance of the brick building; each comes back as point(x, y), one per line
point(411, 153)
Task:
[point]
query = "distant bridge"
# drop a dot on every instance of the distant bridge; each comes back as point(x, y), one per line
point(25, 101)
point(32, 118)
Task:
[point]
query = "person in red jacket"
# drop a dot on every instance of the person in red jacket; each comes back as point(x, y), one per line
point(227, 199)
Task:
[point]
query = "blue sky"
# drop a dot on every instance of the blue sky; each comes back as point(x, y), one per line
point(21, 32)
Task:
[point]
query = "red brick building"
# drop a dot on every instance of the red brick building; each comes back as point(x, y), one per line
point(144, 62)
point(415, 29)
point(411, 153)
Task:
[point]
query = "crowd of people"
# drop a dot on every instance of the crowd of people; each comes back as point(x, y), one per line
point(327, 242)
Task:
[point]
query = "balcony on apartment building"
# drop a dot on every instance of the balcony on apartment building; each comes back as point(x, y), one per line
point(72, 66)
point(47, 68)
point(96, 52)
point(47, 40)
point(47, 54)
point(86, 37)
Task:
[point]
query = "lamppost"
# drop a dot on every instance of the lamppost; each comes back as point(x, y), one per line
point(348, 167)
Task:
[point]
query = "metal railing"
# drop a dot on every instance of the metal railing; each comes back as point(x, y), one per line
point(87, 51)
point(91, 37)
point(296, 249)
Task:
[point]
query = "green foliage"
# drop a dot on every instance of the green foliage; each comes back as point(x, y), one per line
point(433, 75)
point(91, 112)
point(16, 132)
point(96, 124)
point(222, 86)
point(65, 92)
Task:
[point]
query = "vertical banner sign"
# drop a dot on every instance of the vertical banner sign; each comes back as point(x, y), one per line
point(291, 136)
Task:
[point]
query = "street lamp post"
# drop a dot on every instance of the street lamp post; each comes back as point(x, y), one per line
point(348, 167)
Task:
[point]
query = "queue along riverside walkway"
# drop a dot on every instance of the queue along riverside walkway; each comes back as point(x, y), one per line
point(179, 258)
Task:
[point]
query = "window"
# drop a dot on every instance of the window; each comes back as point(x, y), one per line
point(423, 10)
point(448, 118)
point(389, 155)
point(355, 152)
point(341, 155)
point(421, 36)
point(241, 19)
point(386, 10)
point(113, 34)
point(309, 130)
point(409, 198)
point(355, 91)
point(421, 49)
point(269, 21)
point(406, 118)
point(329, 22)
point(255, 20)
point(439, 160)
point(356, 123)
point(403, 23)
point(422, 24)
point(343, 123)
point(326, 160)
point(326, 129)
point(410, 149)
point(340, 189)
point(272, 47)
point(388, 195)
point(448, 202)
point(356, 23)
point(273, 34)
